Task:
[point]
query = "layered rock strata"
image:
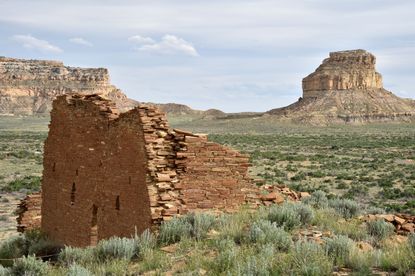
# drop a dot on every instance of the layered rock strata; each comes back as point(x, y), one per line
point(346, 88)
point(346, 70)
point(28, 87)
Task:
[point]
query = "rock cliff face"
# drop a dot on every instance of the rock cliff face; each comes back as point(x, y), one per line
point(28, 87)
point(346, 88)
point(344, 70)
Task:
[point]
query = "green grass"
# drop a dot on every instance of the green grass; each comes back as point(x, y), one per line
point(254, 246)
point(373, 165)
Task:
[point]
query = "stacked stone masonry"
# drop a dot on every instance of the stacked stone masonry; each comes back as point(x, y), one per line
point(28, 212)
point(110, 174)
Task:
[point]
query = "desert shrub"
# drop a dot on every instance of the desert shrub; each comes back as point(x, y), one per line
point(227, 257)
point(110, 267)
point(290, 215)
point(265, 232)
point(309, 258)
point(375, 210)
point(115, 248)
point(200, 223)
point(380, 229)
point(44, 247)
point(29, 266)
point(361, 261)
point(354, 229)
point(317, 174)
point(345, 207)
point(255, 262)
point(329, 219)
point(397, 258)
point(338, 248)
point(299, 176)
point(4, 271)
point(231, 227)
point(305, 212)
point(411, 241)
point(77, 270)
point(31, 183)
point(250, 266)
point(71, 255)
point(154, 260)
point(32, 242)
point(318, 200)
point(12, 248)
point(144, 242)
point(285, 216)
point(174, 230)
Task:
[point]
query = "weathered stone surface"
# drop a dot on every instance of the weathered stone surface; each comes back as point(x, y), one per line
point(29, 86)
point(104, 175)
point(403, 223)
point(28, 212)
point(111, 174)
point(409, 227)
point(346, 70)
point(346, 88)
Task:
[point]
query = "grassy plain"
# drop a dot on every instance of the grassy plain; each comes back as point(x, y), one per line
point(373, 164)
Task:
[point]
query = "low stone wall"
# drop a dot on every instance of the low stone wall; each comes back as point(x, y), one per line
point(109, 173)
point(28, 212)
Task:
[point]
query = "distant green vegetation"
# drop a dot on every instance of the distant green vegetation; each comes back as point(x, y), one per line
point(362, 169)
point(28, 183)
point(272, 240)
point(372, 164)
point(21, 152)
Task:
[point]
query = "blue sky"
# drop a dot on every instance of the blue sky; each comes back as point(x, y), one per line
point(234, 55)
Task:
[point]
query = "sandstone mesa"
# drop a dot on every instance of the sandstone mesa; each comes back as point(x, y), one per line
point(28, 87)
point(346, 88)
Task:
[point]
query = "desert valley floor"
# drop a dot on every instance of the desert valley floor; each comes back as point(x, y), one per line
point(373, 164)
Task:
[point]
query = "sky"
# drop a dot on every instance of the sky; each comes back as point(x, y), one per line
point(233, 55)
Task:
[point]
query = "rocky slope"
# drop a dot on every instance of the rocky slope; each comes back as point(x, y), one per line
point(28, 87)
point(346, 88)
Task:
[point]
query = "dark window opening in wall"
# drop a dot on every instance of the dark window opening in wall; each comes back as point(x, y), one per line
point(94, 226)
point(73, 194)
point(117, 203)
point(54, 167)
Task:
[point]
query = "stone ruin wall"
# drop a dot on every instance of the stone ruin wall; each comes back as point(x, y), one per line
point(136, 161)
point(94, 172)
point(346, 70)
point(29, 212)
point(188, 173)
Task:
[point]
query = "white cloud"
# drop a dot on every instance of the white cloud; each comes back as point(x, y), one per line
point(81, 41)
point(31, 42)
point(170, 45)
point(141, 39)
point(256, 41)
